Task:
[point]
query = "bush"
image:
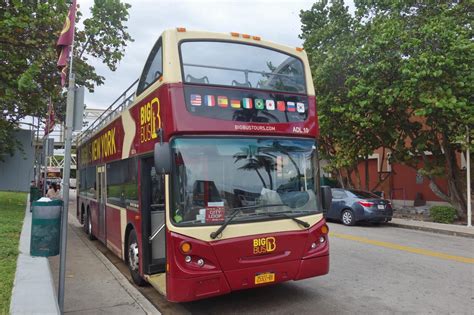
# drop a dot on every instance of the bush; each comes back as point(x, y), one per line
point(443, 214)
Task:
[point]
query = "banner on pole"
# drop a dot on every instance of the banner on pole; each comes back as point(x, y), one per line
point(63, 46)
point(49, 125)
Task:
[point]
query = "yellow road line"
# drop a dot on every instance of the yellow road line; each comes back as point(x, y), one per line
point(409, 249)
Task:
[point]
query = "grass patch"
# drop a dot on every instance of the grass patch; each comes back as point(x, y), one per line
point(12, 212)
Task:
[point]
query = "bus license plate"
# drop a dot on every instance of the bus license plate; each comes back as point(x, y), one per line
point(381, 207)
point(265, 278)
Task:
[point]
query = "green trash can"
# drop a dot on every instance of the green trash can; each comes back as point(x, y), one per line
point(46, 228)
point(35, 194)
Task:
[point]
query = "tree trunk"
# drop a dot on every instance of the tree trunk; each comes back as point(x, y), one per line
point(454, 195)
point(350, 183)
point(340, 178)
point(261, 178)
point(359, 181)
point(455, 179)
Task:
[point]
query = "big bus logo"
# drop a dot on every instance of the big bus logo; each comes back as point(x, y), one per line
point(264, 245)
point(150, 120)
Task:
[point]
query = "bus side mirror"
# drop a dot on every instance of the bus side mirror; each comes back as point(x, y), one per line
point(326, 195)
point(162, 158)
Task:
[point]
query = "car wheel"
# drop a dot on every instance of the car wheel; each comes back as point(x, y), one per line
point(347, 217)
point(133, 259)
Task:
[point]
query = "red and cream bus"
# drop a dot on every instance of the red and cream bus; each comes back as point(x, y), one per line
point(204, 179)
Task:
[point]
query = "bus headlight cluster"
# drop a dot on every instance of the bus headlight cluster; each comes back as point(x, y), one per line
point(200, 261)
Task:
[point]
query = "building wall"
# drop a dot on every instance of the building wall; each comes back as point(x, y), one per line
point(16, 172)
point(405, 181)
point(402, 183)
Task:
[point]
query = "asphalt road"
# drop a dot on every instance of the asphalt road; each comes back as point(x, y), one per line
point(374, 270)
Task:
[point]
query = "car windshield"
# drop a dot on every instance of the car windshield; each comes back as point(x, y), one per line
point(214, 177)
point(241, 65)
point(364, 194)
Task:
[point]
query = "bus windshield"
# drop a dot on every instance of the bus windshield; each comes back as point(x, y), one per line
point(241, 65)
point(266, 176)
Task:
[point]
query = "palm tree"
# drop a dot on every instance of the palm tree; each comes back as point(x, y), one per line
point(278, 147)
point(255, 161)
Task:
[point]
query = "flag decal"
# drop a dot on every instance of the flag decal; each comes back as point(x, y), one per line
point(247, 103)
point(196, 100)
point(235, 103)
point(222, 101)
point(291, 106)
point(210, 100)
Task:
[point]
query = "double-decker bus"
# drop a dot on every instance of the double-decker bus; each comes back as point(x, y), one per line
point(203, 175)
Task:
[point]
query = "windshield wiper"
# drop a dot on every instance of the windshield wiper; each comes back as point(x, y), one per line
point(282, 214)
point(237, 211)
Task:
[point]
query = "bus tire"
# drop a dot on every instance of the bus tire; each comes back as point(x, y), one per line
point(88, 226)
point(133, 261)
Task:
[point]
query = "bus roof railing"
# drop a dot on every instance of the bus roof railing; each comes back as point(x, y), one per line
point(118, 106)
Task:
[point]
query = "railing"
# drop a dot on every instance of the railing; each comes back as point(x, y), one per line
point(54, 161)
point(118, 106)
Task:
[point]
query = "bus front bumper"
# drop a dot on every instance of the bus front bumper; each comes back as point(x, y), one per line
point(190, 289)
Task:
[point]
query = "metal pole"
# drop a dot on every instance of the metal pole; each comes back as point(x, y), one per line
point(468, 175)
point(46, 149)
point(66, 174)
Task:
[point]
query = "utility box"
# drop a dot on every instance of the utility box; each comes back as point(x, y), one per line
point(45, 228)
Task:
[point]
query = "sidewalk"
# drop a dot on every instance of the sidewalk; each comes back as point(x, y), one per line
point(33, 288)
point(449, 229)
point(93, 284)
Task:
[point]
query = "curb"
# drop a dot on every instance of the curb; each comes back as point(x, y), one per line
point(128, 287)
point(33, 288)
point(432, 230)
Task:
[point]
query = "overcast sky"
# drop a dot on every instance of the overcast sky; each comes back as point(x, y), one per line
point(275, 20)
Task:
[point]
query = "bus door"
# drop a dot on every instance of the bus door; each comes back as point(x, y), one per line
point(153, 217)
point(101, 200)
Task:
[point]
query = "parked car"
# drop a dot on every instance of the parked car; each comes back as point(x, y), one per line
point(351, 206)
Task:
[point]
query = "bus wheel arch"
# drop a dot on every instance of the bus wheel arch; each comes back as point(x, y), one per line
point(132, 248)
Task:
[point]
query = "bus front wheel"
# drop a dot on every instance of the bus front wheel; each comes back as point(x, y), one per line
point(133, 259)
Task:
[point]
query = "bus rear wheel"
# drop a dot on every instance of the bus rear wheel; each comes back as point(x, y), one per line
point(88, 225)
point(133, 259)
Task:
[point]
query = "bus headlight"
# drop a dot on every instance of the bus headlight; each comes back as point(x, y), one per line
point(200, 262)
point(322, 239)
point(187, 259)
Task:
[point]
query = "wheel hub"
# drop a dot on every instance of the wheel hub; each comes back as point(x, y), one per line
point(347, 217)
point(133, 256)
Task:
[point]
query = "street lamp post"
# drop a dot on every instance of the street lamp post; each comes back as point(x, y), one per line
point(468, 176)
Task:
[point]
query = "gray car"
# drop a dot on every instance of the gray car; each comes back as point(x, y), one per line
point(351, 206)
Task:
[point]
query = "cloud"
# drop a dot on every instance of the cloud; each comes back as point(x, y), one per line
point(273, 20)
